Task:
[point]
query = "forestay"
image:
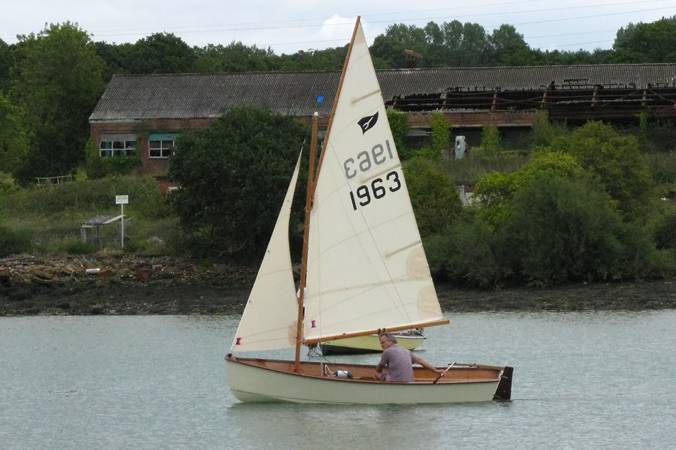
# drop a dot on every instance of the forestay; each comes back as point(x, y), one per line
point(366, 266)
point(269, 318)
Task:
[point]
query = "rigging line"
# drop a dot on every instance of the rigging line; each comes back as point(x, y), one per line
point(322, 22)
point(486, 5)
point(345, 24)
point(529, 11)
point(570, 34)
point(589, 16)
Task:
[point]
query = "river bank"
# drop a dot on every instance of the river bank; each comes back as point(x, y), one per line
point(88, 285)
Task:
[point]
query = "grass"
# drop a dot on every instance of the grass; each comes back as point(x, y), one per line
point(469, 169)
point(52, 215)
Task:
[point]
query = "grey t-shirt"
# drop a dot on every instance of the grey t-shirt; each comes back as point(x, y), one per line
point(399, 361)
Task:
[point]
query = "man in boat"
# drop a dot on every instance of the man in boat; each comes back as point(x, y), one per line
point(398, 361)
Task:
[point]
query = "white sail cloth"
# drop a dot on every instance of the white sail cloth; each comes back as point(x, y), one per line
point(270, 316)
point(366, 266)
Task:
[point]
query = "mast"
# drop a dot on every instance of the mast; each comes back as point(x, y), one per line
point(311, 183)
point(335, 99)
point(306, 232)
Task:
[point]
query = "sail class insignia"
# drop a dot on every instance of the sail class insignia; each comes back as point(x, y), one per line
point(366, 123)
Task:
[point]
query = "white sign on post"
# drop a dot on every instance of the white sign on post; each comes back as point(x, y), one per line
point(122, 200)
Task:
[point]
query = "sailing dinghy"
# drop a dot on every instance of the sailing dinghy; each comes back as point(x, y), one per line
point(363, 270)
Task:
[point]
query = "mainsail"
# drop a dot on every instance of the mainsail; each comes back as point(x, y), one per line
point(269, 318)
point(366, 266)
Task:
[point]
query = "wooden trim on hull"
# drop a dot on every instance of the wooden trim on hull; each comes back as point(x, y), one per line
point(274, 380)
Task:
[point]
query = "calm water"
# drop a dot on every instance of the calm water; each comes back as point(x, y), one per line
point(582, 380)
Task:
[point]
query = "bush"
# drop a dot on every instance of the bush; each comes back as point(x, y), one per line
point(79, 248)
point(561, 230)
point(616, 160)
point(490, 142)
point(495, 190)
point(665, 234)
point(399, 125)
point(441, 143)
point(465, 254)
point(233, 176)
point(7, 183)
point(435, 200)
point(545, 132)
point(12, 242)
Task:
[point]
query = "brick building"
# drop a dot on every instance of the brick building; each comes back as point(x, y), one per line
point(145, 113)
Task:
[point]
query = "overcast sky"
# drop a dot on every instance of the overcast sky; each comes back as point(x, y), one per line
point(289, 25)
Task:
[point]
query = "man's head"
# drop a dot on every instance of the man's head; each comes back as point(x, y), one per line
point(387, 340)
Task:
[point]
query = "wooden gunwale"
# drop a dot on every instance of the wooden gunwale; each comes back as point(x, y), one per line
point(258, 363)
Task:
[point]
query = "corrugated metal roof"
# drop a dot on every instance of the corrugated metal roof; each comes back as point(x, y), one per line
point(135, 97)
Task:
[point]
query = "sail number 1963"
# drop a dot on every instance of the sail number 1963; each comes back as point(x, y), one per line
point(376, 189)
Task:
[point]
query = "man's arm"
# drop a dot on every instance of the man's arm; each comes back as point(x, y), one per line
point(426, 364)
point(384, 360)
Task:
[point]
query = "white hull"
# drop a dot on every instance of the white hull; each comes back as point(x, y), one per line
point(251, 382)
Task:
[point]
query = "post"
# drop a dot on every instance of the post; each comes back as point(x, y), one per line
point(122, 200)
point(122, 225)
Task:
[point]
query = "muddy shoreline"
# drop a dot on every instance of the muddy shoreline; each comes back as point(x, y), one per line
point(31, 285)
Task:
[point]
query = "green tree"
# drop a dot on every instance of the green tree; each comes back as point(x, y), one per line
point(665, 237)
point(616, 159)
point(233, 176)
point(399, 124)
point(436, 202)
point(5, 65)
point(57, 79)
point(440, 133)
point(389, 47)
point(160, 53)
point(508, 48)
point(115, 57)
point(495, 191)
point(235, 57)
point(647, 42)
point(561, 230)
point(14, 138)
point(327, 59)
point(490, 140)
point(465, 254)
point(544, 131)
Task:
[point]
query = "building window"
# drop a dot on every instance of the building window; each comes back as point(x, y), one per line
point(120, 145)
point(161, 145)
